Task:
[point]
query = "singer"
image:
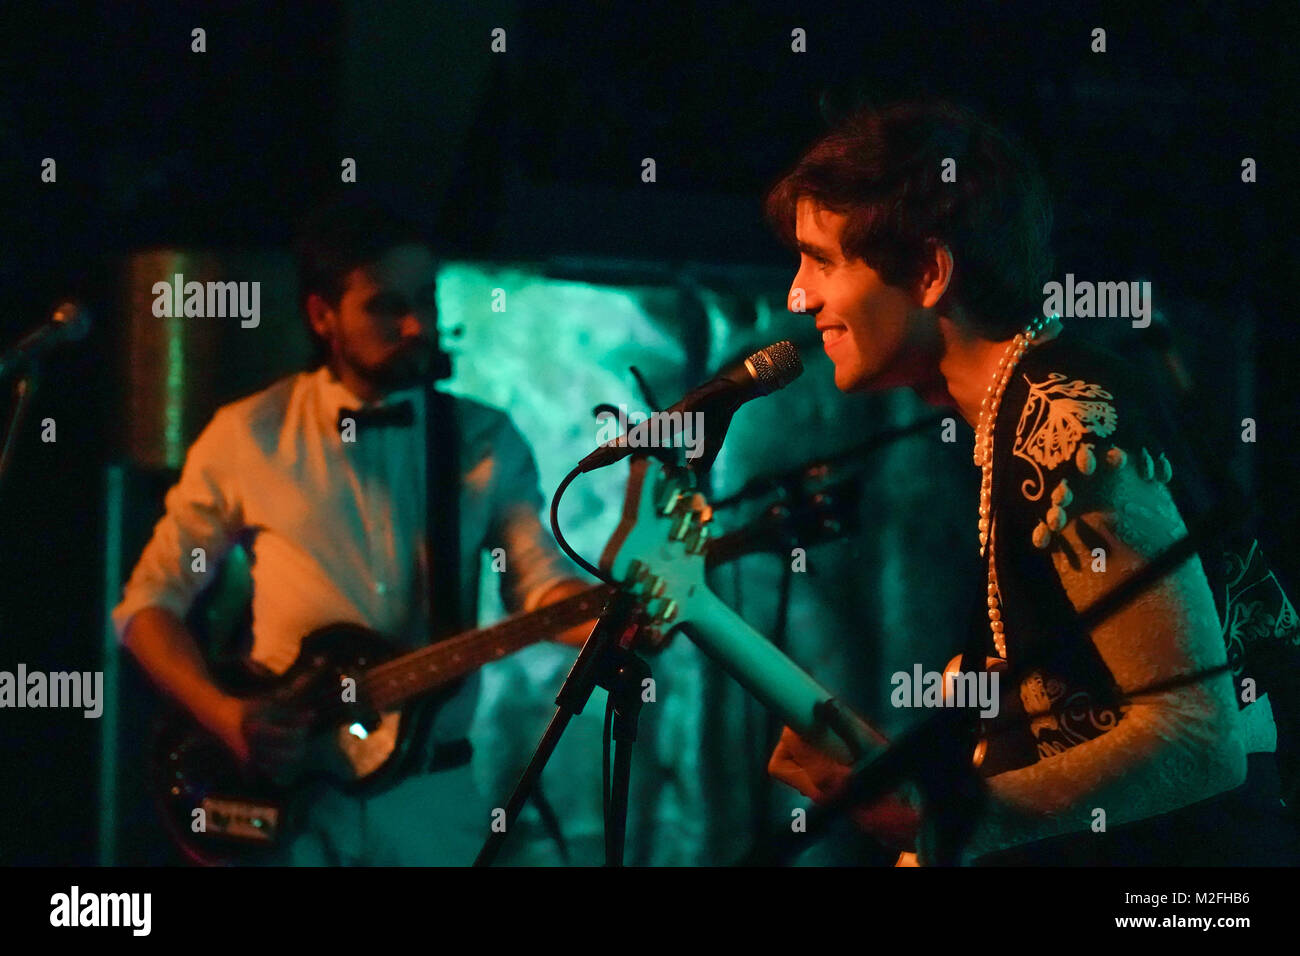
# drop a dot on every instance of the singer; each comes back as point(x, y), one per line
point(327, 479)
point(936, 282)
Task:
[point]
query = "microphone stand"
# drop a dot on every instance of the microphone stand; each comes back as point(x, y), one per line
point(24, 389)
point(607, 661)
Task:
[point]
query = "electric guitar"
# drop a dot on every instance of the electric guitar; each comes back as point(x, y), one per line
point(658, 552)
point(372, 709)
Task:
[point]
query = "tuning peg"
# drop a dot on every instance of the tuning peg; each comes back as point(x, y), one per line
point(681, 525)
point(639, 578)
point(700, 505)
point(671, 490)
point(662, 611)
point(697, 539)
point(658, 587)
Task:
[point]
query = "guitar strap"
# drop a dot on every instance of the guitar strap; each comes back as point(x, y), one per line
point(442, 535)
point(442, 512)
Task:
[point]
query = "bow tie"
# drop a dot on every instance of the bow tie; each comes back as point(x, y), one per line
point(400, 414)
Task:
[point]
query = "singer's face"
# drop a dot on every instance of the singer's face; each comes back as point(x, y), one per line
point(876, 334)
point(381, 333)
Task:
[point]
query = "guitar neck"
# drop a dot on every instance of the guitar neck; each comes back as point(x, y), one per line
point(391, 684)
point(778, 682)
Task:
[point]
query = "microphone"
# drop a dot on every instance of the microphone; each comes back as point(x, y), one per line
point(69, 323)
point(764, 372)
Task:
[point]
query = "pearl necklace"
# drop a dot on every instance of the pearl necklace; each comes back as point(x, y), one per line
point(988, 417)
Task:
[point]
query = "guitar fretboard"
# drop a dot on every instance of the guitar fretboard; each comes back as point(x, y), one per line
point(389, 685)
point(393, 683)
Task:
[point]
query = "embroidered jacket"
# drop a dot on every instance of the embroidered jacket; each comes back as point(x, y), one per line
point(1071, 419)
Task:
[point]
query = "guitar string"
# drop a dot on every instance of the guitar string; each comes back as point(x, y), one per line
point(379, 684)
point(380, 677)
point(596, 596)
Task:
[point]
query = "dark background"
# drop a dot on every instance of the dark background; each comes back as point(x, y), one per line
point(537, 153)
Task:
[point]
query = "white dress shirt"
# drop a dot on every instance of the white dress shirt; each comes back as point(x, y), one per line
point(335, 530)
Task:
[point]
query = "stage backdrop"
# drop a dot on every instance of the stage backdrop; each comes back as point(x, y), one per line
point(548, 342)
point(876, 602)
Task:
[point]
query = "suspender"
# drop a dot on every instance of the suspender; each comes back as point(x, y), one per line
point(442, 512)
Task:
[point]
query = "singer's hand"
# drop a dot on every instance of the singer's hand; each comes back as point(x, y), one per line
point(894, 820)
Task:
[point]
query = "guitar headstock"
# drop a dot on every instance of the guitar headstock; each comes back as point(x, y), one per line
point(818, 507)
point(657, 550)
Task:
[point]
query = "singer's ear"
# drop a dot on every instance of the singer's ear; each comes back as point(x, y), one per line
point(321, 315)
point(936, 275)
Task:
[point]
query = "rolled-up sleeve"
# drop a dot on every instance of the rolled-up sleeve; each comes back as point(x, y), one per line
point(534, 563)
point(200, 523)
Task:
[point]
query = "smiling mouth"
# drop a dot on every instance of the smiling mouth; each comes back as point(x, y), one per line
point(833, 334)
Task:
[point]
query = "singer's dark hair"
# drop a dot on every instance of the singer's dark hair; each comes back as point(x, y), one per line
point(883, 169)
point(340, 235)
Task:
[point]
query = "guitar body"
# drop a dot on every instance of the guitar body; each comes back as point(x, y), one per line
point(220, 813)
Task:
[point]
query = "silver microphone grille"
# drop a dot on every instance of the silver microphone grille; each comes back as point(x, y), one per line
point(775, 366)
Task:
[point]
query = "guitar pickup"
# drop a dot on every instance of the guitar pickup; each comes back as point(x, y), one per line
point(364, 721)
point(241, 819)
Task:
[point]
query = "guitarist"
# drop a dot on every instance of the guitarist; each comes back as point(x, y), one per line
point(937, 282)
point(320, 477)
